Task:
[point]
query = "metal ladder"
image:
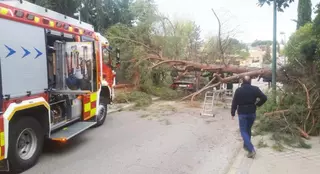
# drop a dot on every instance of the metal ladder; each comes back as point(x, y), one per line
point(208, 104)
point(211, 96)
point(227, 96)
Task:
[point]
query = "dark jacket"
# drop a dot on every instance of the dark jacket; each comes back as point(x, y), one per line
point(245, 99)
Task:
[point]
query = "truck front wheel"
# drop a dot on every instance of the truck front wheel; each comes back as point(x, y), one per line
point(102, 111)
point(26, 141)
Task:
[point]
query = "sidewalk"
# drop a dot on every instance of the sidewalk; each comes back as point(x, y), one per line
point(269, 161)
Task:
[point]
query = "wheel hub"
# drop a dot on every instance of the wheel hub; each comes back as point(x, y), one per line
point(26, 144)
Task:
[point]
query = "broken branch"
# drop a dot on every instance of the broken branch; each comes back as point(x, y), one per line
point(276, 112)
point(202, 89)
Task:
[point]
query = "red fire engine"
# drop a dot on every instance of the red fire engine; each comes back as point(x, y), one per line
point(53, 84)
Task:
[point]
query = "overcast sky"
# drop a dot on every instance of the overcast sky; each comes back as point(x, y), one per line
point(252, 22)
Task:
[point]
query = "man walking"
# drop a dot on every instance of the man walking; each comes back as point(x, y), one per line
point(245, 102)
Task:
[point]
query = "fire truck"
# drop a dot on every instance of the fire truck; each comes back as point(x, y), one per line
point(52, 82)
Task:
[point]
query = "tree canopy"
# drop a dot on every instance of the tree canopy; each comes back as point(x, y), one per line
point(267, 56)
point(261, 43)
point(139, 29)
point(304, 12)
point(295, 114)
point(303, 45)
point(281, 4)
point(100, 13)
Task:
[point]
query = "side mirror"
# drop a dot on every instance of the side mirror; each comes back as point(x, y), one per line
point(118, 57)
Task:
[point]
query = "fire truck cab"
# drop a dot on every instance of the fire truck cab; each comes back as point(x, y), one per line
point(108, 67)
point(51, 81)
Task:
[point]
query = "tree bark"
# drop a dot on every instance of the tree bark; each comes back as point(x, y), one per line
point(206, 67)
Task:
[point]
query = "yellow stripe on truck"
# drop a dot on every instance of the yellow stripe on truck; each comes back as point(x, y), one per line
point(93, 97)
point(87, 107)
point(2, 139)
point(31, 105)
point(90, 105)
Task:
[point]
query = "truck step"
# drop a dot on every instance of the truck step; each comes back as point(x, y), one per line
point(70, 131)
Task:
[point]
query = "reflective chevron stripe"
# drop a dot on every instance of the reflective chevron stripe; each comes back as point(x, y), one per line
point(2, 140)
point(89, 105)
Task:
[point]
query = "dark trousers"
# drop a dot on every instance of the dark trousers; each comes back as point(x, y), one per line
point(245, 123)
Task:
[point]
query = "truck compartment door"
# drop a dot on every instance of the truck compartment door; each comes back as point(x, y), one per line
point(75, 66)
point(23, 59)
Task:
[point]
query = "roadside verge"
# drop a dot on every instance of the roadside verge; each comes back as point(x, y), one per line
point(118, 107)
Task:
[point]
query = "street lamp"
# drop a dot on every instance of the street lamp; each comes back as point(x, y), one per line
point(79, 12)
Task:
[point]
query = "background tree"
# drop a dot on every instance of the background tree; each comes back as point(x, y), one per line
point(61, 6)
point(299, 96)
point(100, 13)
point(304, 12)
point(236, 46)
point(266, 59)
point(281, 4)
point(137, 27)
point(261, 43)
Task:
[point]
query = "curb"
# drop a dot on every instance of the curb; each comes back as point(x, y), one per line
point(242, 164)
point(128, 106)
point(236, 163)
point(235, 158)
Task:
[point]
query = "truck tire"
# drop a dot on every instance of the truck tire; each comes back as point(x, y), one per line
point(26, 141)
point(102, 111)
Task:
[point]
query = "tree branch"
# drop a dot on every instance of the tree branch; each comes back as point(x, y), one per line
point(136, 42)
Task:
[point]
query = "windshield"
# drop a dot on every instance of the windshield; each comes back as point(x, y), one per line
point(105, 55)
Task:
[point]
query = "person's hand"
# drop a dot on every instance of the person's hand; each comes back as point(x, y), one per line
point(232, 117)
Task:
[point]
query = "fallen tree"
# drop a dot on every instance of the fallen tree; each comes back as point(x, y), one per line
point(239, 71)
point(255, 73)
point(154, 57)
point(194, 66)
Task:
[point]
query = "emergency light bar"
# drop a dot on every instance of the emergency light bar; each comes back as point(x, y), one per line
point(5, 11)
point(19, 13)
point(29, 17)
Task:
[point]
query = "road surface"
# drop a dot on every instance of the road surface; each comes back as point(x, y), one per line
point(163, 139)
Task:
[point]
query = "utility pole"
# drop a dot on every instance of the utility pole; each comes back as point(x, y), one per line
point(274, 49)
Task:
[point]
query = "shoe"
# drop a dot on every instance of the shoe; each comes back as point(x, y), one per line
point(251, 154)
point(245, 148)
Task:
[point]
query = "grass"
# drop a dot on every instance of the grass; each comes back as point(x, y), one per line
point(278, 147)
point(121, 97)
point(141, 99)
point(169, 108)
point(165, 93)
point(290, 140)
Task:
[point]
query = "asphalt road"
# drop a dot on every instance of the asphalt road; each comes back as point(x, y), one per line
point(163, 139)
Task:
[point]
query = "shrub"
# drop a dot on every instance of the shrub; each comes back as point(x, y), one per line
point(164, 93)
point(137, 97)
